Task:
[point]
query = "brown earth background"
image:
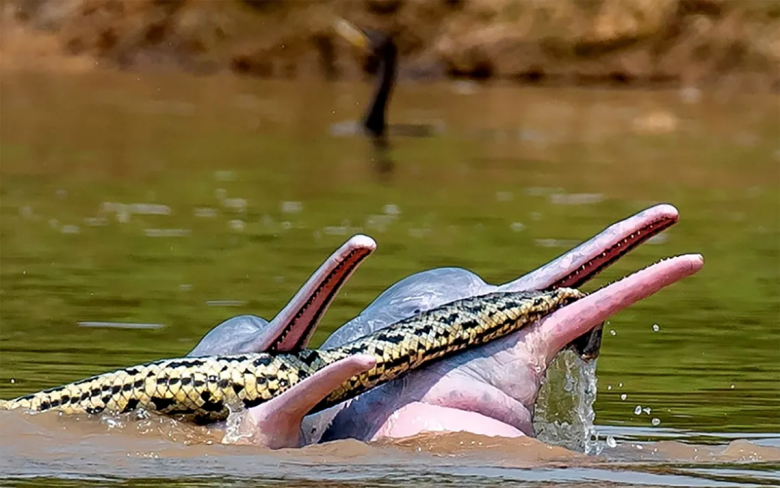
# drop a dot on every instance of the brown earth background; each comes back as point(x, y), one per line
point(641, 43)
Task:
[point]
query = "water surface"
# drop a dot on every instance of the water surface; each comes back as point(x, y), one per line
point(172, 203)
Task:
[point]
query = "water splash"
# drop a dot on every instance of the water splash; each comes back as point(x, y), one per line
point(233, 428)
point(564, 412)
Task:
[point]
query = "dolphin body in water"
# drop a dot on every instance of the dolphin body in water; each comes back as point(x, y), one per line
point(489, 390)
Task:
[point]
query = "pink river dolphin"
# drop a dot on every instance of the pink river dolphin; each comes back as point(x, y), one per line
point(488, 390)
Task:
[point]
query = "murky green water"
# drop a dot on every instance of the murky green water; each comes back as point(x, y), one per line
point(241, 192)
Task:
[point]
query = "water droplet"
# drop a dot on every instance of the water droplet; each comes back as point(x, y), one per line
point(609, 387)
point(623, 396)
point(639, 447)
point(656, 422)
point(13, 381)
point(646, 410)
point(638, 410)
point(732, 387)
point(612, 332)
point(611, 442)
point(517, 226)
point(656, 328)
point(620, 385)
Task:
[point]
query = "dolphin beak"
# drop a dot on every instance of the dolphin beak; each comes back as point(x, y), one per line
point(352, 34)
point(276, 424)
point(572, 321)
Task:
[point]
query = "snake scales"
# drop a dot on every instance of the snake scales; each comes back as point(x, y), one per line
point(205, 389)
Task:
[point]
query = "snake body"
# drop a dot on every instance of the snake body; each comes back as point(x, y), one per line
point(205, 389)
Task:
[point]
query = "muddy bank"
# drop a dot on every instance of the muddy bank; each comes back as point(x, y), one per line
point(603, 42)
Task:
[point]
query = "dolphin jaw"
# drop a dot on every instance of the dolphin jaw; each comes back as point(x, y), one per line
point(617, 250)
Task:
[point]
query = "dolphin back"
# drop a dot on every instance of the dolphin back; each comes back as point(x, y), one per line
point(412, 295)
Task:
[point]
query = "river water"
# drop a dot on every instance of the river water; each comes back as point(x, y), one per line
point(137, 211)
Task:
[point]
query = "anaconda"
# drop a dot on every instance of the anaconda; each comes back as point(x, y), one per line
point(205, 389)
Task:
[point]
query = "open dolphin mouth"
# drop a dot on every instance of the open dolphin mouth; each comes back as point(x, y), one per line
point(554, 332)
point(581, 264)
point(664, 218)
point(610, 299)
point(312, 300)
point(575, 267)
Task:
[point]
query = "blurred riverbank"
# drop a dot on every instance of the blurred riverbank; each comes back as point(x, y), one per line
point(624, 43)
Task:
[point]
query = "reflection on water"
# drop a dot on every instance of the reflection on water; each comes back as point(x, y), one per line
point(137, 212)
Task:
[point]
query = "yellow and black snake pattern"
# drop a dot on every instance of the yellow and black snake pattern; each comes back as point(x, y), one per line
point(205, 389)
